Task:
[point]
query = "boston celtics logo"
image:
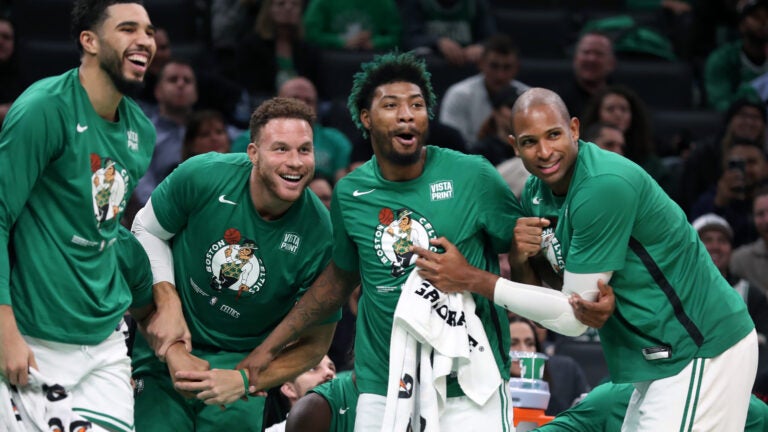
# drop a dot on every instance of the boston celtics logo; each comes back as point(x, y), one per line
point(552, 248)
point(234, 265)
point(109, 183)
point(396, 232)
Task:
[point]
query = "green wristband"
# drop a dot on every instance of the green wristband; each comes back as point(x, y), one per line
point(245, 380)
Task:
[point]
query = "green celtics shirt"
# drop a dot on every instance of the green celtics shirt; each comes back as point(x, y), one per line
point(375, 221)
point(672, 304)
point(237, 274)
point(66, 177)
point(341, 395)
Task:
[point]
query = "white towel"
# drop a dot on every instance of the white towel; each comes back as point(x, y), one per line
point(39, 406)
point(435, 334)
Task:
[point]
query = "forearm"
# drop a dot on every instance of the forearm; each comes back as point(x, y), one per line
point(7, 320)
point(326, 295)
point(297, 358)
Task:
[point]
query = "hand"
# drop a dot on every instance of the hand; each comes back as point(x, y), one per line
point(214, 387)
point(166, 326)
point(449, 271)
point(452, 51)
point(179, 359)
point(15, 356)
point(528, 237)
point(255, 363)
point(361, 40)
point(596, 313)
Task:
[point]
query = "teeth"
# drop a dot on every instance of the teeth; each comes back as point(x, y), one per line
point(291, 177)
point(138, 58)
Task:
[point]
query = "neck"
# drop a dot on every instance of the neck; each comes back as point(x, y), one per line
point(101, 91)
point(176, 115)
point(268, 206)
point(591, 87)
point(755, 51)
point(394, 172)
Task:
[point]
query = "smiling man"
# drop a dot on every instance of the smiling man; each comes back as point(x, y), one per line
point(71, 150)
point(680, 334)
point(234, 239)
point(406, 194)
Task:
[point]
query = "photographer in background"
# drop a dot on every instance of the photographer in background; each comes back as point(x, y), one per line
point(744, 170)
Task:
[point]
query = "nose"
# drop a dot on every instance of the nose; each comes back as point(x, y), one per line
point(404, 113)
point(329, 373)
point(294, 159)
point(543, 150)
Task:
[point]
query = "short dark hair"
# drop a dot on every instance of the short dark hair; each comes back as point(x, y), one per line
point(277, 108)
point(89, 14)
point(386, 69)
point(500, 43)
point(195, 123)
point(176, 61)
point(593, 131)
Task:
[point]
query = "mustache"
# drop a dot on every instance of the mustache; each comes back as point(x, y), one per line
point(412, 130)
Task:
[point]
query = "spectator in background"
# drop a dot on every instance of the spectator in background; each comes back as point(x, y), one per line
point(206, 132)
point(176, 94)
point(357, 25)
point(593, 64)
point(323, 189)
point(467, 104)
point(743, 171)
point(620, 106)
point(493, 138)
point(750, 261)
point(606, 136)
point(10, 75)
point(332, 148)
point(164, 53)
point(745, 119)
point(565, 377)
point(275, 50)
point(730, 68)
point(717, 236)
point(455, 29)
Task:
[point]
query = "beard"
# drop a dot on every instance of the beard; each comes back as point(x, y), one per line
point(111, 63)
point(393, 156)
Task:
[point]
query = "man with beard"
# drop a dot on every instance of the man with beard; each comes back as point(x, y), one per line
point(61, 318)
point(251, 218)
point(730, 68)
point(445, 193)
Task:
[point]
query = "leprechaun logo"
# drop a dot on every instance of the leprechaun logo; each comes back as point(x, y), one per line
point(396, 232)
point(234, 265)
point(109, 184)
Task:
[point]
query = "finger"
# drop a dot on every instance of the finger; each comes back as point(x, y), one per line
point(424, 253)
point(191, 386)
point(191, 375)
point(252, 372)
point(32, 362)
point(442, 242)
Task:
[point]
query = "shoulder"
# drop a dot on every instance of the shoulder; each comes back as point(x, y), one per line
point(311, 203)
point(464, 86)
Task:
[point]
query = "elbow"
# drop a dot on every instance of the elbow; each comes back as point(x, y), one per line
point(566, 325)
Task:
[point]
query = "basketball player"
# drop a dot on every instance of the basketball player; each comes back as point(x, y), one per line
point(680, 333)
point(71, 150)
point(240, 237)
point(420, 190)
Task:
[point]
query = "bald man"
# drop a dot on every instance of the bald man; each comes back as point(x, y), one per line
point(679, 333)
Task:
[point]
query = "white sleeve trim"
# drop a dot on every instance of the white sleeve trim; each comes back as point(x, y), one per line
point(154, 238)
point(546, 306)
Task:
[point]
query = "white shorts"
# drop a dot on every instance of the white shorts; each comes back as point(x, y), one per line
point(97, 376)
point(708, 395)
point(460, 413)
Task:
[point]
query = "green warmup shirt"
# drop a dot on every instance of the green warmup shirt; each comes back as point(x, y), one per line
point(237, 274)
point(375, 221)
point(341, 395)
point(604, 408)
point(672, 304)
point(66, 177)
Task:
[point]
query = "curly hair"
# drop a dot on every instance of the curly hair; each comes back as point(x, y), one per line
point(385, 69)
point(89, 14)
point(277, 108)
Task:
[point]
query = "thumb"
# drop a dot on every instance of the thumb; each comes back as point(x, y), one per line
point(543, 222)
point(442, 242)
point(31, 360)
point(604, 288)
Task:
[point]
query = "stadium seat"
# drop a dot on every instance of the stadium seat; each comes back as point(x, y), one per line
point(589, 355)
point(662, 85)
point(43, 58)
point(336, 71)
point(539, 33)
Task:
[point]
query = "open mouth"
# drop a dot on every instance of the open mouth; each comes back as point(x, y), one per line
point(406, 138)
point(139, 60)
point(292, 178)
point(549, 168)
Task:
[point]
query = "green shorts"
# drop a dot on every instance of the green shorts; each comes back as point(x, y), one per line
point(158, 407)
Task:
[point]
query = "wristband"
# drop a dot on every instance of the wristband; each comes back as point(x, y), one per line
point(245, 380)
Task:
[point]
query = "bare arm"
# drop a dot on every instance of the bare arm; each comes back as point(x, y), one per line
point(326, 295)
point(450, 272)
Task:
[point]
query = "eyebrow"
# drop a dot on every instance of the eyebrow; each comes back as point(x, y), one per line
point(412, 96)
point(133, 24)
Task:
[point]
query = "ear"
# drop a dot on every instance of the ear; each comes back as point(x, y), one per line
point(89, 41)
point(365, 118)
point(253, 152)
point(575, 128)
point(289, 391)
point(513, 144)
